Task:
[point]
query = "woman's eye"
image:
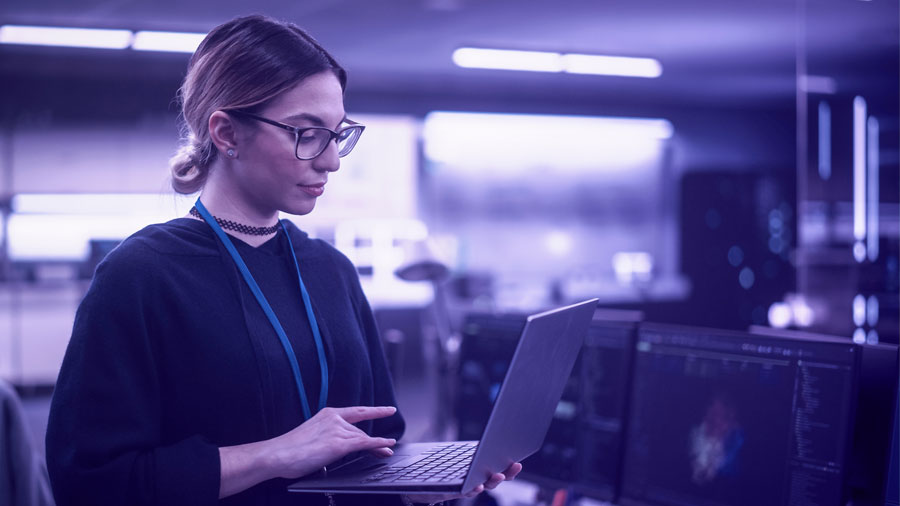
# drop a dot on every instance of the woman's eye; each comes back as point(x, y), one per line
point(308, 136)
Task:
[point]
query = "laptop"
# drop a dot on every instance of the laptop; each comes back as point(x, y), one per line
point(521, 415)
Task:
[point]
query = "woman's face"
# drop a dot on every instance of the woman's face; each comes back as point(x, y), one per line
point(269, 174)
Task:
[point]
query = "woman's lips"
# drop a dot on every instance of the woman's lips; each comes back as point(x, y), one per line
point(315, 190)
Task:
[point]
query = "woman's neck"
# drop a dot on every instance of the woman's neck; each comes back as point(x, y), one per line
point(225, 207)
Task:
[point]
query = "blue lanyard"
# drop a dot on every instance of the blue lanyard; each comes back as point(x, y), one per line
point(270, 314)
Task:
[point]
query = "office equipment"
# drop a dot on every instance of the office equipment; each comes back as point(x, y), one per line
point(582, 450)
point(874, 421)
point(722, 418)
point(531, 389)
point(892, 485)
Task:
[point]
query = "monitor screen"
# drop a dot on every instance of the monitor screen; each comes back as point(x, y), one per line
point(876, 392)
point(722, 418)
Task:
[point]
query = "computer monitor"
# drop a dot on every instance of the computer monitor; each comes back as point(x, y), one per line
point(892, 485)
point(876, 392)
point(583, 447)
point(488, 343)
point(721, 418)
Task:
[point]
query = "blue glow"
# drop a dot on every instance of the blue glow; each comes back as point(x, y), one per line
point(777, 244)
point(818, 84)
point(859, 251)
point(859, 169)
point(872, 337)
point(735, 256)
point(824, 141)
point(746, 278)
point(713, 219)
point(872, 311)
point(872, 204)
point(780, 315)
point(859, 310)
point(776, 222)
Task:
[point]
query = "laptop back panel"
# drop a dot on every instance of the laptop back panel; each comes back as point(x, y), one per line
point(524, 408)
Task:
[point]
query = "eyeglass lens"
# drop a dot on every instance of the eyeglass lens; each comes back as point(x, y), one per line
point(312, 142)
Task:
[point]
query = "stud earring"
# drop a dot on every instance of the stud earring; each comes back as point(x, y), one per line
point(230, 153)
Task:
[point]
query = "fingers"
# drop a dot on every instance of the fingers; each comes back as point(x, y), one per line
point(373, 443)
point(475, 491)
point(495, 479)
point(513, 470)
point(356, 414)
point(381, 452)
point(498, 478)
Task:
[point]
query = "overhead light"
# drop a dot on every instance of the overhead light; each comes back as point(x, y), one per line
point(611, 65)
point(67, 37)
point(515, 142)
point(545, 61)
point(177, 42)
point(503, 59)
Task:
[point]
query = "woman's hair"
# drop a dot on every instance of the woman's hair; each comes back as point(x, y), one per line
point(242, 64)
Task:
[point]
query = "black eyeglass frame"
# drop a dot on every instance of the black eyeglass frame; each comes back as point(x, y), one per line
point(298, 131)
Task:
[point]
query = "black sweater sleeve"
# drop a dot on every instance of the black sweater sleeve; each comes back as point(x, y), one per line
point(104, 443)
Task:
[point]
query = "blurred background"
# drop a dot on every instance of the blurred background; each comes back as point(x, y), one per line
point(735, 168)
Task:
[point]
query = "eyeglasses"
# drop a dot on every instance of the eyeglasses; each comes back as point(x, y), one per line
point(310, 142)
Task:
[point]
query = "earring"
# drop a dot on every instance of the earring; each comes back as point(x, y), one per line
point(230, 153)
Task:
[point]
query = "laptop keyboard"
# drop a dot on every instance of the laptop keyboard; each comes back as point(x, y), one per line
point(445, 463)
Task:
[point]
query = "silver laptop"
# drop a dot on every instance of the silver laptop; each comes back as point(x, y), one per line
point(519, 420)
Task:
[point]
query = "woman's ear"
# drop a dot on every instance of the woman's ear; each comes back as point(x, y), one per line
point(223, 133)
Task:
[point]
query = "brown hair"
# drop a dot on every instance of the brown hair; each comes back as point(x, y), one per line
point(242, 64)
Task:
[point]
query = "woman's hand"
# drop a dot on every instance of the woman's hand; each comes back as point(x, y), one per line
point(491, 484)
point(324, 438)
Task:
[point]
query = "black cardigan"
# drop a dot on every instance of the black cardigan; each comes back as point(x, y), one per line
point(171, 357)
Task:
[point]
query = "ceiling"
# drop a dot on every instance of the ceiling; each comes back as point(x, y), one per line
point(712, 51)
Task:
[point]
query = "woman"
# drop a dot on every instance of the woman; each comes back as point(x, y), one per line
point(223, 354)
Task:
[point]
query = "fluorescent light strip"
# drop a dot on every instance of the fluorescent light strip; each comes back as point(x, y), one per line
point(611, 65)
point(873, 207)
point(859, 168)
point(824, 141)
point(67, 37)
point(176, 42)
point(502, 59)
point(515, 142)
point(543, 61)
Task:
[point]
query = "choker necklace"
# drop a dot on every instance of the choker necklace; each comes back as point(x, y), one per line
point(238, 227)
